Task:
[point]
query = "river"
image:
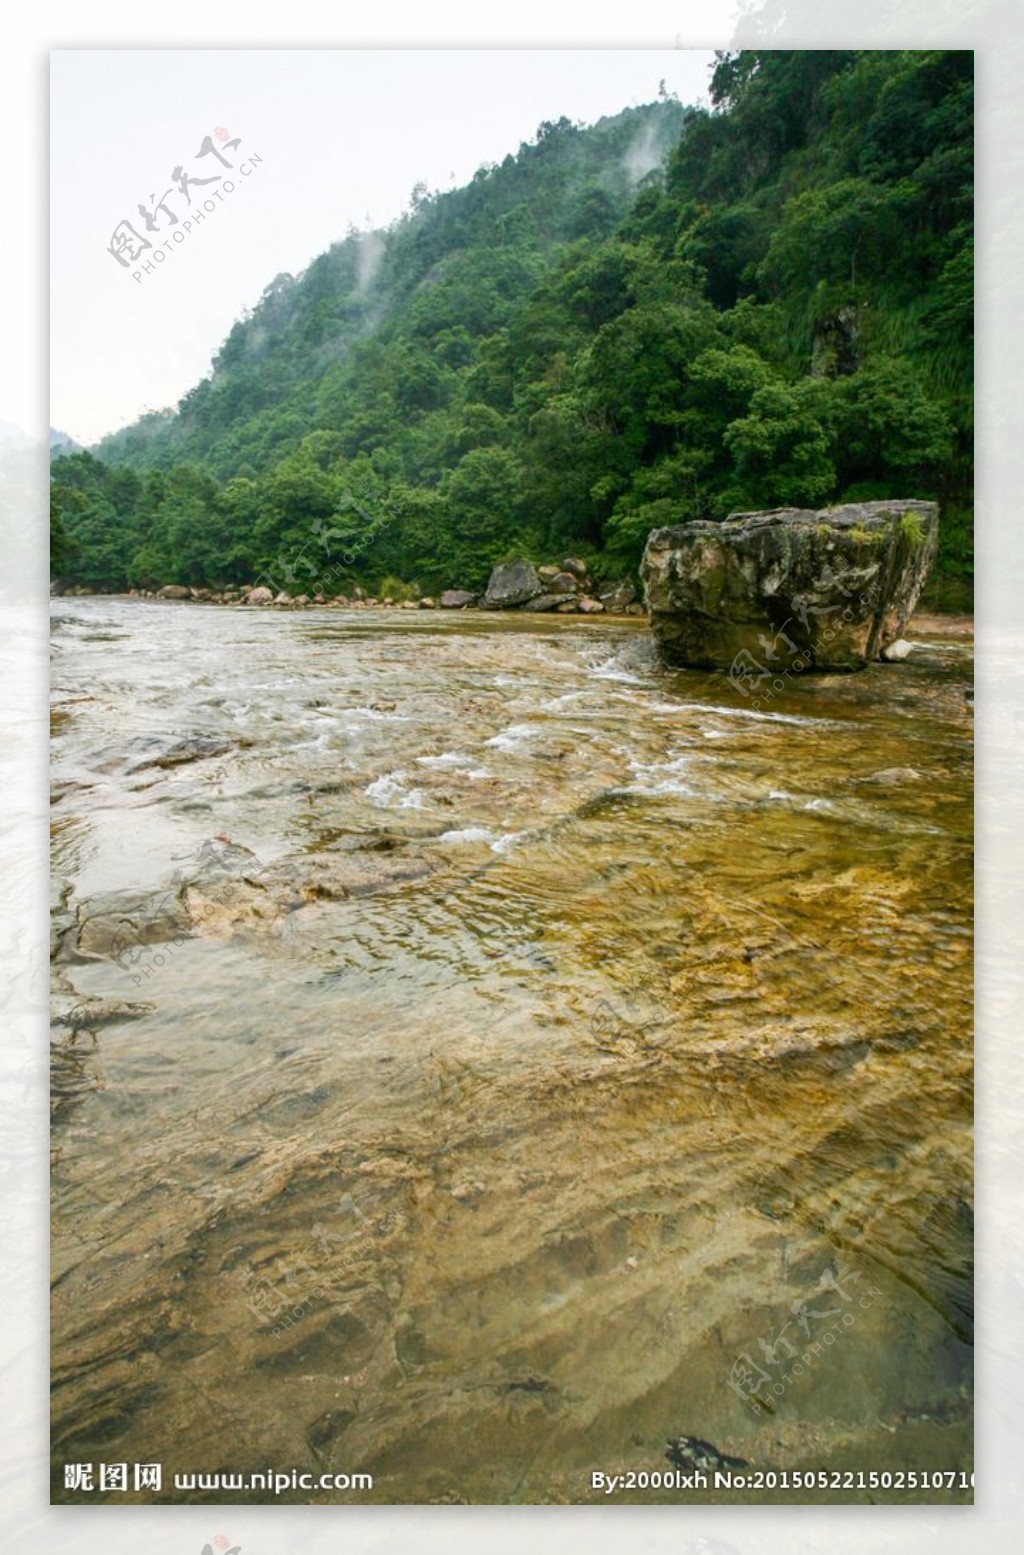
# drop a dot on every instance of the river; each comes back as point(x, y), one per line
point(482, 1055)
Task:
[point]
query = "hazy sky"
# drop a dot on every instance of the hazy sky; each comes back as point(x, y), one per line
point(343, 136)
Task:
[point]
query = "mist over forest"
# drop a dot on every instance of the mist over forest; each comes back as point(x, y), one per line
point(675, 313)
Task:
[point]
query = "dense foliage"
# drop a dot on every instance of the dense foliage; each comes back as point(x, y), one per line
point(672, 314)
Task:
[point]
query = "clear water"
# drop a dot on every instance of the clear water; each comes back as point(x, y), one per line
point(572, 1034)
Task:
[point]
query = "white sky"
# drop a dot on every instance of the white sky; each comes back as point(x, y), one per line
point(343, 134)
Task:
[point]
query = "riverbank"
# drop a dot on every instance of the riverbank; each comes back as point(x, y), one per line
point(358, 600)
point(928, 622)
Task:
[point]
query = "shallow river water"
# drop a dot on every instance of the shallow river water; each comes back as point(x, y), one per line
point(482, 1055)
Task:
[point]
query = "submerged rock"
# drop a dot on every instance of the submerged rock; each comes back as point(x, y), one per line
point(113, 924)
point(763, 593)
point(893, 777)
point(88, 1014)
point(511, 584)
point(195, 747)
point(692, 1452)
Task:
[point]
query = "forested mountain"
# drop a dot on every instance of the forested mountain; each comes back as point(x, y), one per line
point(61, 444)
point(671, 314)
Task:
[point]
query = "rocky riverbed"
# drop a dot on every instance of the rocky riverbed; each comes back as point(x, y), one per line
point(483, 1055)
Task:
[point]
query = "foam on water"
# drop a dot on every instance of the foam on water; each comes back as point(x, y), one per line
point(661, 778)
point(513, 737)
point(759, 717)
point(390, 791)
point(467, 834)
point(507, 841)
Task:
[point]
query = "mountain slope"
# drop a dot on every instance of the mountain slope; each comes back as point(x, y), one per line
point(456, 264)
point(588, 341)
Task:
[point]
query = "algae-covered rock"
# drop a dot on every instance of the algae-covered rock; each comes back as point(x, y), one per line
point(810, 589)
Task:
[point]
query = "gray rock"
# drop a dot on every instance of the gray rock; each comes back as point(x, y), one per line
point(562, 583)
point(260, 596)
point(456, 599)
point(576, 566)
point(590, 607)
point(618, 596)
point(762, 593)
point(545, 602)
point(195, 747)
point(511, 584)
point(174, 591)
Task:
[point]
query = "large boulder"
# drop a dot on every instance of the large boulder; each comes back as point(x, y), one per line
point(456, 599)
point(174, 591)
point(761, 593)
point(511, 584)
